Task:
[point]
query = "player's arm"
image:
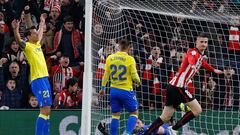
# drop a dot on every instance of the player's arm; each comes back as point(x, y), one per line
point(41, 25)
point(210, 68)
point(15, 26)
point(134, 73)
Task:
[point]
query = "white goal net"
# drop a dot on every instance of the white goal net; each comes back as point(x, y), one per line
point(160, 32)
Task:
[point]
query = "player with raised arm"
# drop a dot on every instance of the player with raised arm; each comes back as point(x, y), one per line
point(38, 72)
point(121, 68)
point(177, 92)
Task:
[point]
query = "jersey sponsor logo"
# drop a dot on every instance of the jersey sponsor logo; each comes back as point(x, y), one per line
point(193, 53)
point(38, 49)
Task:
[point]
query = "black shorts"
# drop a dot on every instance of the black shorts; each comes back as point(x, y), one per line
point(176, 96)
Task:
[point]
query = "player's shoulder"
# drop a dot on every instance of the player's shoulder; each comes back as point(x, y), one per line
point(192, 51)
point(130, 58)
point(110, 57)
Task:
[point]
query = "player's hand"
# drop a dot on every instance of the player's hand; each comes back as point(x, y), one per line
point(218, 71)
point(15, 24)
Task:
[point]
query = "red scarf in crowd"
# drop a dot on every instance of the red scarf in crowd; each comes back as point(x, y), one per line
point(61, 75)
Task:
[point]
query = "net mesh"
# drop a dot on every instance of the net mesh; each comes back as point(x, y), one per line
point(160, 33)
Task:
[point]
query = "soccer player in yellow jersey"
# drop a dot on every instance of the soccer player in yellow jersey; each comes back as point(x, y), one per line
point(121, 69)
point(38, 72)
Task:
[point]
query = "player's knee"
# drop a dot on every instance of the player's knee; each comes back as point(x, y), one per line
point(165, 118)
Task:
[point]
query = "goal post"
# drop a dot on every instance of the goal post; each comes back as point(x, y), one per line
point(87, 81)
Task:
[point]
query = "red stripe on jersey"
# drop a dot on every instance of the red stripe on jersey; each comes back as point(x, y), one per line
point(185, 72)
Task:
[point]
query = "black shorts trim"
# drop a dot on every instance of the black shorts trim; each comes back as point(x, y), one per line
point(175, 96)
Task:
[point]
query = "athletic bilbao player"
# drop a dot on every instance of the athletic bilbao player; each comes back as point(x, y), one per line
point(176, 92)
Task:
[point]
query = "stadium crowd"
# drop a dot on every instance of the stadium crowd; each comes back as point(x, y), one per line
point(158, 49)
point(62, 43)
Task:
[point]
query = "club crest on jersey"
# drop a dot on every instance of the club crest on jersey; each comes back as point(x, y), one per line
point(194, 53)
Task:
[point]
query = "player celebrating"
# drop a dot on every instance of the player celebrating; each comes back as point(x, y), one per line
point(176, 92)
point(38, 72)
point(122, 70)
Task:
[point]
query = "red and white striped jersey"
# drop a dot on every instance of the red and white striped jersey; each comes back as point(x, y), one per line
point(185, 72)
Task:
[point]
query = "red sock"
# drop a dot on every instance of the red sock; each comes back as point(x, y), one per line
point(185, 119)
point(156, 124)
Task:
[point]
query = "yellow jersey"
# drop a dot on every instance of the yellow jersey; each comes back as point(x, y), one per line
point(121, 68)
point(34, 55)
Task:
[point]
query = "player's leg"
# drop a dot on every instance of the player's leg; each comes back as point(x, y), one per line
point(171, 102)
point(193, 105)
point(114, 123)
point(165, 117)
point(131, 105)
point(44, 114)
point(116, 107)
point(163, 130)
point(42, 91)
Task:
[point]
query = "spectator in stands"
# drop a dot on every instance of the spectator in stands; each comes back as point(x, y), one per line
point(208, 89)
point(26, 21)
point(234, 39)
point(66, 7)
point(3, 32)
point(151, 87)
point(7, 10)
point(32, 102)
point(103, 53)
point(47, 39)
point(35, 9)
point(13, 72)
point(61, 73)
point(229, 90)
point(54, 17)
point(70, 97)
point(12, 96)
point(77, 8)
point(68, 40)
point(12, 52)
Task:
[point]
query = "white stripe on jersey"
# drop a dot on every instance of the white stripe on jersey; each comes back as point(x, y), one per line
point(183, 77)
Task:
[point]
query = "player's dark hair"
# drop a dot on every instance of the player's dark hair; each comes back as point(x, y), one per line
point(72, 81)
point(28, 31)
point(203, 35)
point(67, 19)
point(124, 44)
